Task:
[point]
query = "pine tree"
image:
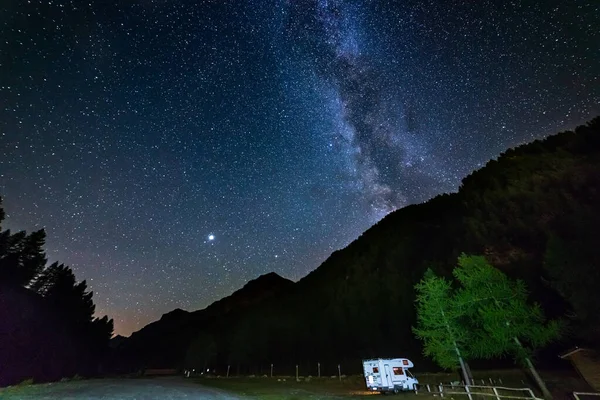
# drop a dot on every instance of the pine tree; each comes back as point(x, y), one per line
point(2, 214)
point(33, 258)
point(22, 256)
point(69, 298)
point(69, 303)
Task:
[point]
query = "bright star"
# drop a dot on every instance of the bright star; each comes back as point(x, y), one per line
point(211, 237)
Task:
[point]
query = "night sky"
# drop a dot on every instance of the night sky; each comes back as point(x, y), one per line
point(174, 150)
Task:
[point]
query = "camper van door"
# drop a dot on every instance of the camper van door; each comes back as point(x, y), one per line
point(388, 376)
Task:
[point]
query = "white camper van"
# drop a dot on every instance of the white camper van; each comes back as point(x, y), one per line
point(389, 375)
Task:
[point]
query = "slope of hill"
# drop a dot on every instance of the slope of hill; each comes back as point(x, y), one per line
point(360, 301)
point(163, 343)
point(531, 212)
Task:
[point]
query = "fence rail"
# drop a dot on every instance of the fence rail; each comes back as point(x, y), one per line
point(476, 390)
point(577, 394)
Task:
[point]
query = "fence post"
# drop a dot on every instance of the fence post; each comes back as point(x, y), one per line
point(296, 372)
point(271, 370)
point(428, 388)
point(468, 392)
point(229, 366)
point(441, 390)
point(530, 393)
point(340, 372)
point(496, 393)
point(319, 369)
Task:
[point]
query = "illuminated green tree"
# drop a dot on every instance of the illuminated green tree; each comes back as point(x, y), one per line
point(438, 323)
point(499, 315)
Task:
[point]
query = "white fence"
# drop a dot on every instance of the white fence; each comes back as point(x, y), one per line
point(499, 392)
point(578, 395)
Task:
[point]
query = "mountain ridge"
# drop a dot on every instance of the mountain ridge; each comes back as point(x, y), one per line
point(180, 326)
point(178, 312)
point(360, 301)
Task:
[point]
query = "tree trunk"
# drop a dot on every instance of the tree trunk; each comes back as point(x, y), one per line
point(469, 373)
point(538, 379)
point(460, 359)
point(463, 368)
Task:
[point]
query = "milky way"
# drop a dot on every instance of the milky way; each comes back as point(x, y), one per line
point(369, 116)
point(174, 150)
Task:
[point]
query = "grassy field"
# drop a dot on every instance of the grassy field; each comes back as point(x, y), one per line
point(352, 386)
point(289, 389)
point(560, 384)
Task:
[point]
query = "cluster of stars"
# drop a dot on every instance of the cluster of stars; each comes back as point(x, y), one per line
point(175, 150)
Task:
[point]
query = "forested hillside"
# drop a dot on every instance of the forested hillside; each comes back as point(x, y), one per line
point(533, 213)
point(170, 337)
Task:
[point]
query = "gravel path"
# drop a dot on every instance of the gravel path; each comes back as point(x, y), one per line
point(118, 389)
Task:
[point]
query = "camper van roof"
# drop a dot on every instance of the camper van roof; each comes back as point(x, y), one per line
point(410, 364)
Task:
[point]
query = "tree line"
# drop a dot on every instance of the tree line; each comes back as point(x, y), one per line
point(48, 329)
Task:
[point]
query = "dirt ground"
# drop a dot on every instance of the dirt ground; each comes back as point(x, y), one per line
point(117, 389)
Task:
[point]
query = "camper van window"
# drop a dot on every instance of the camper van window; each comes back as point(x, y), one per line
point(398, 371)
point(375, 370)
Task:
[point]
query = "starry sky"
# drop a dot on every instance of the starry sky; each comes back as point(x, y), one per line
point(175, 149)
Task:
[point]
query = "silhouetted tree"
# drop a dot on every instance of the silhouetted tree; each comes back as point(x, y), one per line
point(77, 339)
point(574, 273)
point(69, 298)
point(22, 256)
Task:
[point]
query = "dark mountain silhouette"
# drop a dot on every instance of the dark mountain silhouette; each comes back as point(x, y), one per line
point(116, 341)
point(163, 343)
point(533, 212)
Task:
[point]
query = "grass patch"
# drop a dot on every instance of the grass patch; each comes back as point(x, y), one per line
point(24, 387)
point(290, 389)
point(26, 382)
point(75, 377)
point(509, 377)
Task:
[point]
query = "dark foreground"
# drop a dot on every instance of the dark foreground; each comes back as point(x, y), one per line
point(118, 389)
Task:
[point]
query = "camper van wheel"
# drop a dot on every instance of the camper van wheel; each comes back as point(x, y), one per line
point(395, 390)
